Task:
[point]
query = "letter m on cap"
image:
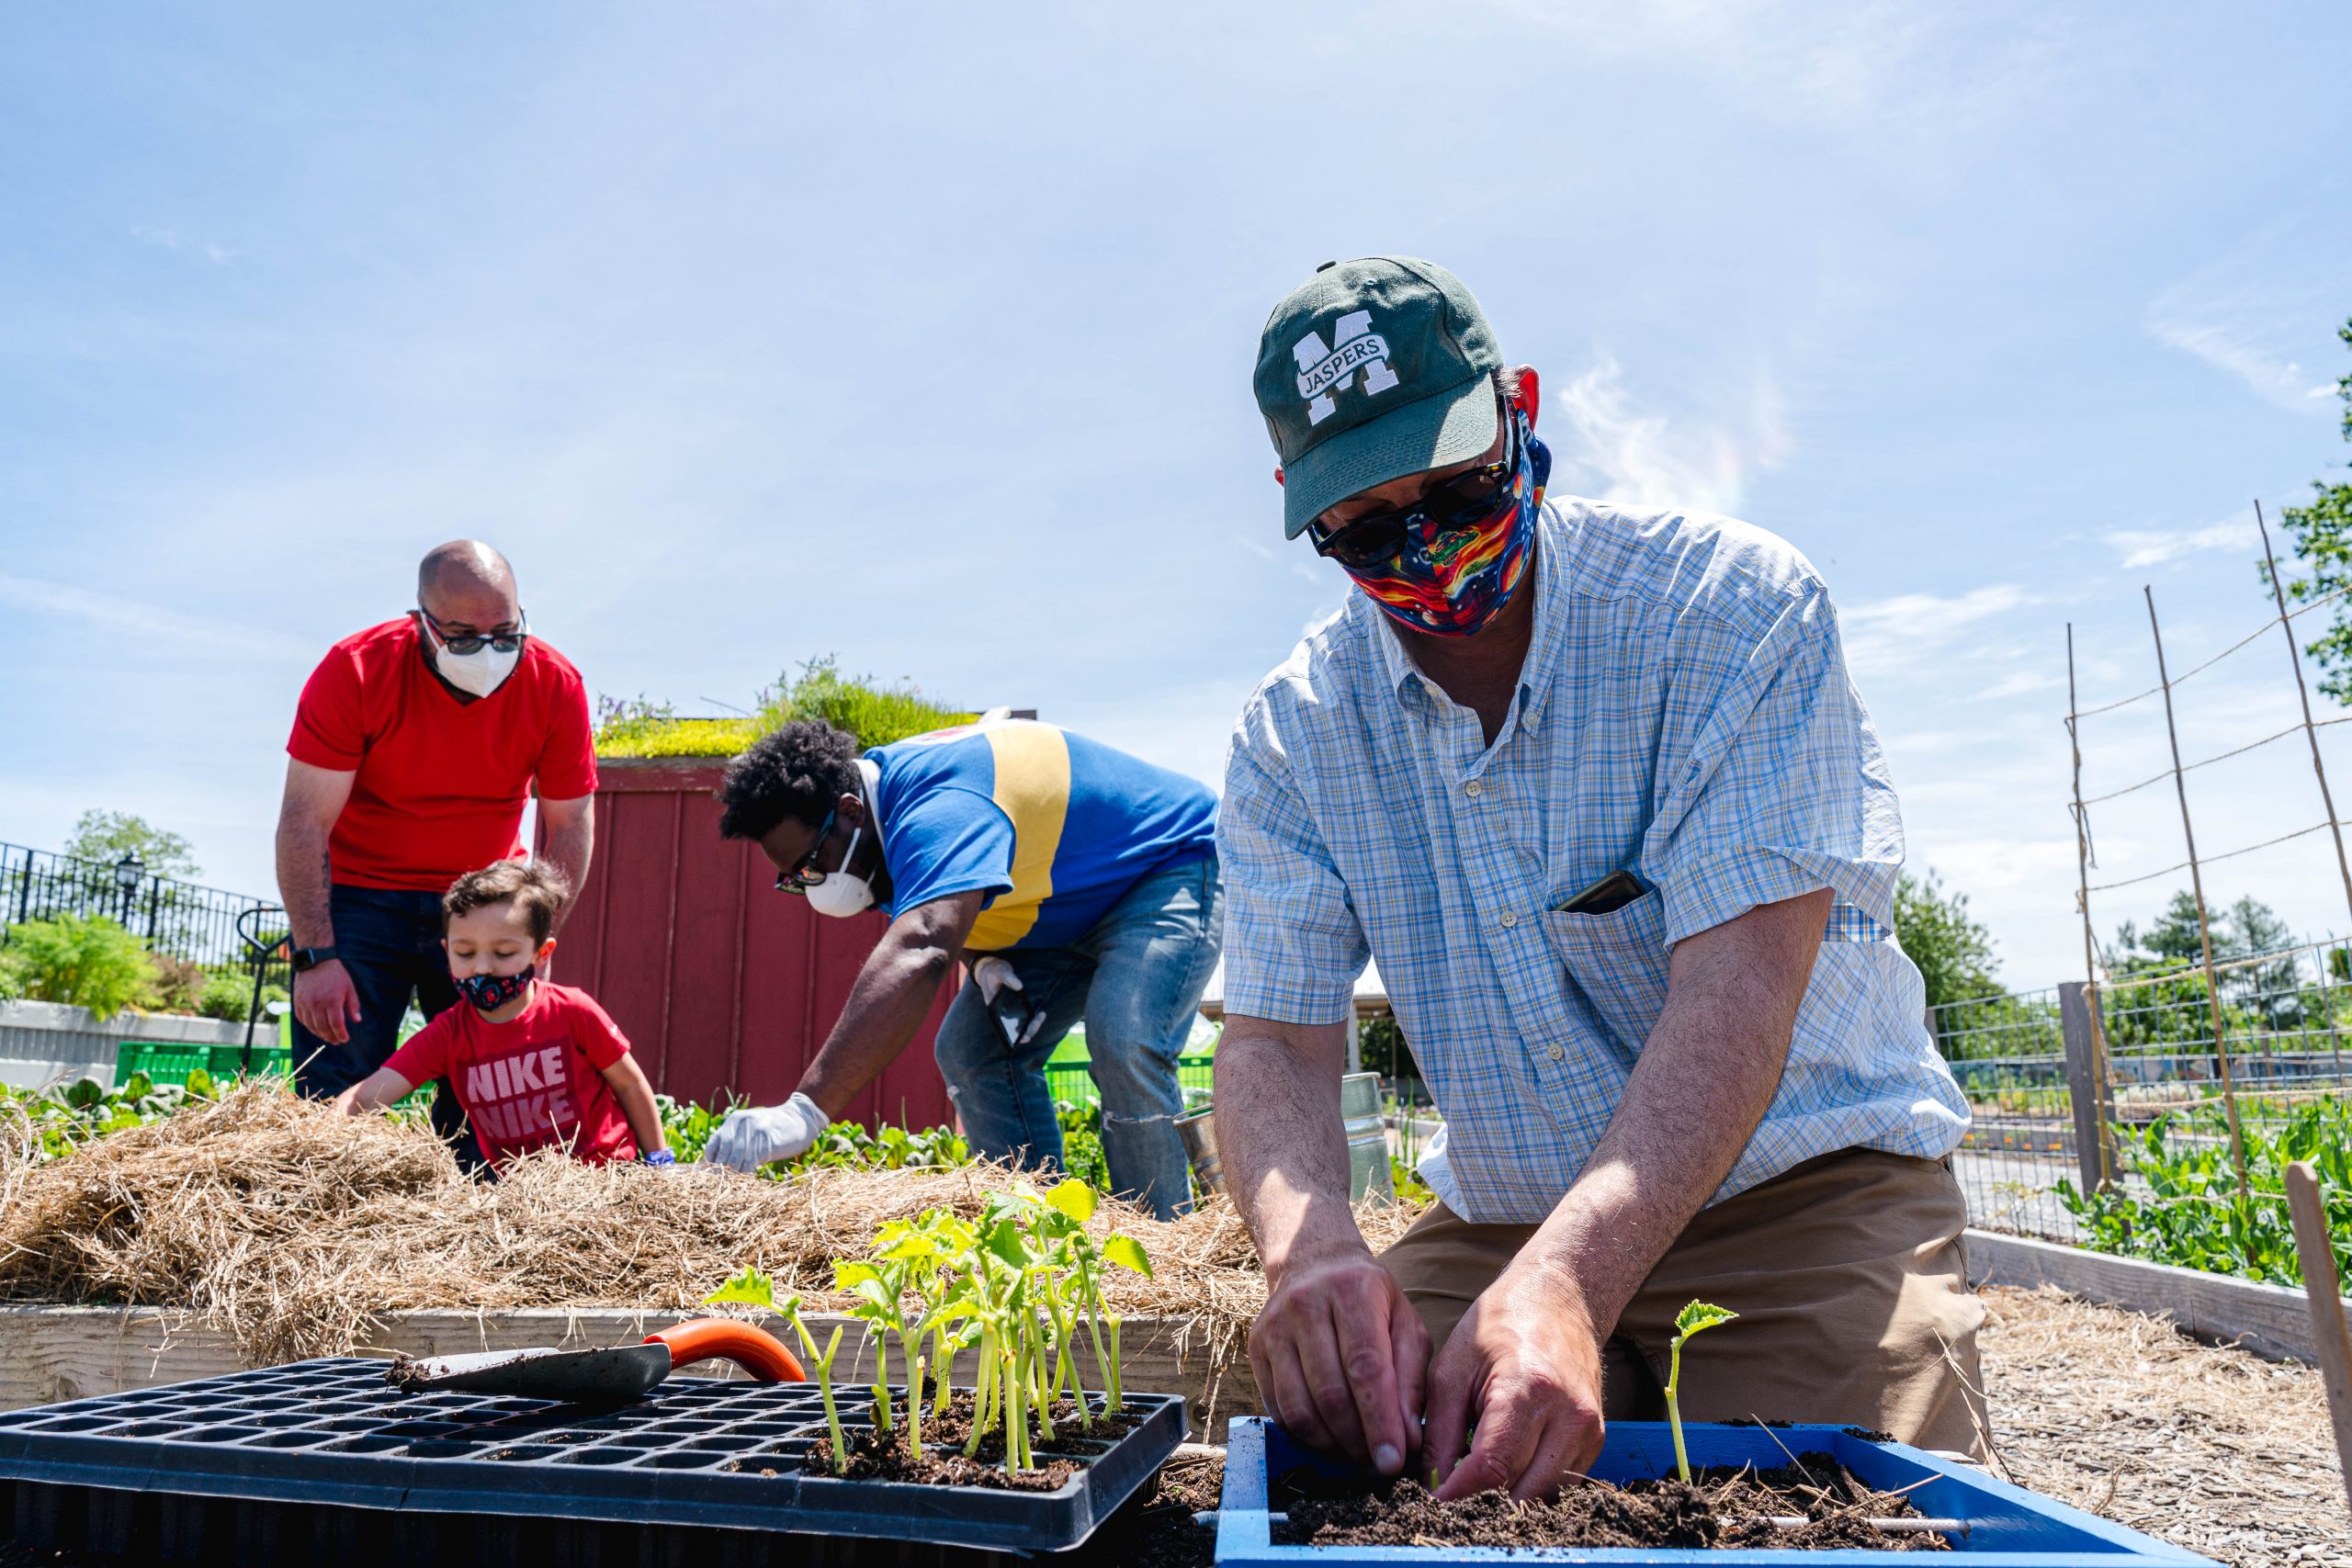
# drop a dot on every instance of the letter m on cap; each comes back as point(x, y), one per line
point(1327, 369)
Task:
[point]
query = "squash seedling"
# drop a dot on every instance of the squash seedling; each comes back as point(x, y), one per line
point(753, 1288)
point(1013, 1286)
point(1688, 1321)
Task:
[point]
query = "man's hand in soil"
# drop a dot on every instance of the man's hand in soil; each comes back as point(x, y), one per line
point(1341, 1359)
point(326, 1001)
point(1523, 1366)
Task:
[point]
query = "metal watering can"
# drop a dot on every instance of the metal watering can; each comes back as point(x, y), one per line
point(1368, 1173)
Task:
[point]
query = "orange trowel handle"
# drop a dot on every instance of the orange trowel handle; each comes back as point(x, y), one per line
point(755, 1350)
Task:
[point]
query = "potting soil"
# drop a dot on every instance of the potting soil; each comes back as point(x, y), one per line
point(876, 1455)
point(1726, 1509)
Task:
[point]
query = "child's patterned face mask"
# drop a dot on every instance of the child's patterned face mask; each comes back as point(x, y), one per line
point(490, 992)
point(1452, 574)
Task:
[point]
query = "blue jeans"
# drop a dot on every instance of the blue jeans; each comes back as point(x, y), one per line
point(390, 942)
point(1137, 979)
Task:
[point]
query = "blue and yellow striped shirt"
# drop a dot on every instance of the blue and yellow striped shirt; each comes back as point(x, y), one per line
point(1054, 827)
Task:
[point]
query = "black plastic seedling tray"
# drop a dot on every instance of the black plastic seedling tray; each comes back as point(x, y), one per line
point(332, 1435)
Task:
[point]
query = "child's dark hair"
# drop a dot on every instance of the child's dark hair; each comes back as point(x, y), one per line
point(532, 885)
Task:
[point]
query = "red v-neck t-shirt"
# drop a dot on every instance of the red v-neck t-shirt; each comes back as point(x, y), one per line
point(532, 1082)
point(440, 783)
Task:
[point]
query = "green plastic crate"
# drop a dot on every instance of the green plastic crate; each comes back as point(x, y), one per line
point(1071, 1082)
point(171, 1061)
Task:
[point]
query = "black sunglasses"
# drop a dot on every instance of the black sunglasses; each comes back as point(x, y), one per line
point(804, 875)
point(474, 642)
point(1463, 501)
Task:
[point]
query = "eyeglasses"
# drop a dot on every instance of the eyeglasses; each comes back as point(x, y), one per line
point(804, 875)
point(1464, 501)
point(474, 642)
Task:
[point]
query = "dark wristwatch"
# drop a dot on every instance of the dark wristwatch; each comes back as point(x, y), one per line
point(309, 958)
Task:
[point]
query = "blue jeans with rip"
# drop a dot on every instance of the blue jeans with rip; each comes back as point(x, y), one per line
point(1135, 979)
point(389, 940)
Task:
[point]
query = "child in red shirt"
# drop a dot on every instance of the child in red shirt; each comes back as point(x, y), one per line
point(535, 1065)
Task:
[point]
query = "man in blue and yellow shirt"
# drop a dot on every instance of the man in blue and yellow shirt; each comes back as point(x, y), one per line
point(1080, 882)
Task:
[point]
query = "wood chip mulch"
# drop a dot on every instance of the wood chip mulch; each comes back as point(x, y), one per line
point(2209, 1448)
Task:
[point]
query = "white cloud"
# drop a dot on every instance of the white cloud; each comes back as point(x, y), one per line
point(167, 239)
point(2257, 312)
point(149, 620)
point(2016, 683)
point(1905, 75)
point(1636, 456)
point(1884, 635)
point(2244, 352)
point(2148, 547)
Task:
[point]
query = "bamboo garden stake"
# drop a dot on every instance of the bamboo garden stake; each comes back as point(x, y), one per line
point(2322, 1287)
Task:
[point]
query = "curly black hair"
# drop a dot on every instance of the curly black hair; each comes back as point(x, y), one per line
point(797, 771)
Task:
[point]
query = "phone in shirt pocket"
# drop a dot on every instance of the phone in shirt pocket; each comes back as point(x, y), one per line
point(1614, 891)
point(1609, 939)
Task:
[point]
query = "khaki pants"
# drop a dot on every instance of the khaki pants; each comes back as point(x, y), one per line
point(1847, 1277)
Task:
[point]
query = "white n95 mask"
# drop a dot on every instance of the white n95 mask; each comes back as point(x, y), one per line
point(479, 672)
point(842, 895)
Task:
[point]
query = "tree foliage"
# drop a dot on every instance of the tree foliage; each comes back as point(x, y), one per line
point(1953, 949)
point(107, 836)
point(2321, 533)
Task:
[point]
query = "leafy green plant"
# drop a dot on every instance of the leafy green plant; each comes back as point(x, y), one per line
point(1017, 1286)
point(876, 712)
point(89, 962)
point(1688, 1321)
point(2179, 1201)
point(1082, 1154)
point(63, 1118)
point(178, 987)
point(230, 997)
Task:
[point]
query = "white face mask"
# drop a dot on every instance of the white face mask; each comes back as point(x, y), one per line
point(479, 672)
point(842, 895)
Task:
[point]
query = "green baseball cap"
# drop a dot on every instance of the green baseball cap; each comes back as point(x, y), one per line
point(1370, 370)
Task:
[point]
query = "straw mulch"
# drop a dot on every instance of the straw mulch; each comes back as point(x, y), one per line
point(293, 1228)
point(2209, 1448)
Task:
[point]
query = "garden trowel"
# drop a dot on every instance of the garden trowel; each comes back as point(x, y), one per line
point(611, 1375)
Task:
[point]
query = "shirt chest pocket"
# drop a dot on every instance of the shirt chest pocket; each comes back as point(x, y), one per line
point(1615, 966)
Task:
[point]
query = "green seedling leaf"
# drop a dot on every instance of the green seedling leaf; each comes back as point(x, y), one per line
point(909, 1250)
point(748, 1286)
point(1073, 1198)
point(1003, 1239)
point(1127, 1253)
point(850, 1275)
point(1698, 1315)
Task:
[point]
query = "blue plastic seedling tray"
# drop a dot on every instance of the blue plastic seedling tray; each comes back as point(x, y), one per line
point(698, 1451)
point(2007, 1527)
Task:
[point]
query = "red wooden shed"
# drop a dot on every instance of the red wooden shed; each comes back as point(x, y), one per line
point(719, 982)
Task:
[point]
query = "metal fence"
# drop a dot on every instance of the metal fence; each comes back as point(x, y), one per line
point(2066, 1083)
point(193, 924)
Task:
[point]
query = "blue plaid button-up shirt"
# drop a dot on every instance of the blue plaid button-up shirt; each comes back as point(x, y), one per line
point(1684, 713)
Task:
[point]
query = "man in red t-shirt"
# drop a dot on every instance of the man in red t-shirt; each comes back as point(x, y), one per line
point(415, 745)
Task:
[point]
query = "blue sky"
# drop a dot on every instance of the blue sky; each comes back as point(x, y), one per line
point(922, 336)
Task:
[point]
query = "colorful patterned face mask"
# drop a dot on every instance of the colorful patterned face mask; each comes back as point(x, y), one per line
point(490, 992)
point(1452, 574)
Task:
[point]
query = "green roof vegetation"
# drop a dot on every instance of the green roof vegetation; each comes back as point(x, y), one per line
point(875, 712)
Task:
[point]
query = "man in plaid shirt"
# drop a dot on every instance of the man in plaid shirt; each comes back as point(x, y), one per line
point(1595, 789)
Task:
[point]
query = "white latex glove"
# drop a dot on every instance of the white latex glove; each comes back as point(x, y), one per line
point(761, 1135)
point(992, 974)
